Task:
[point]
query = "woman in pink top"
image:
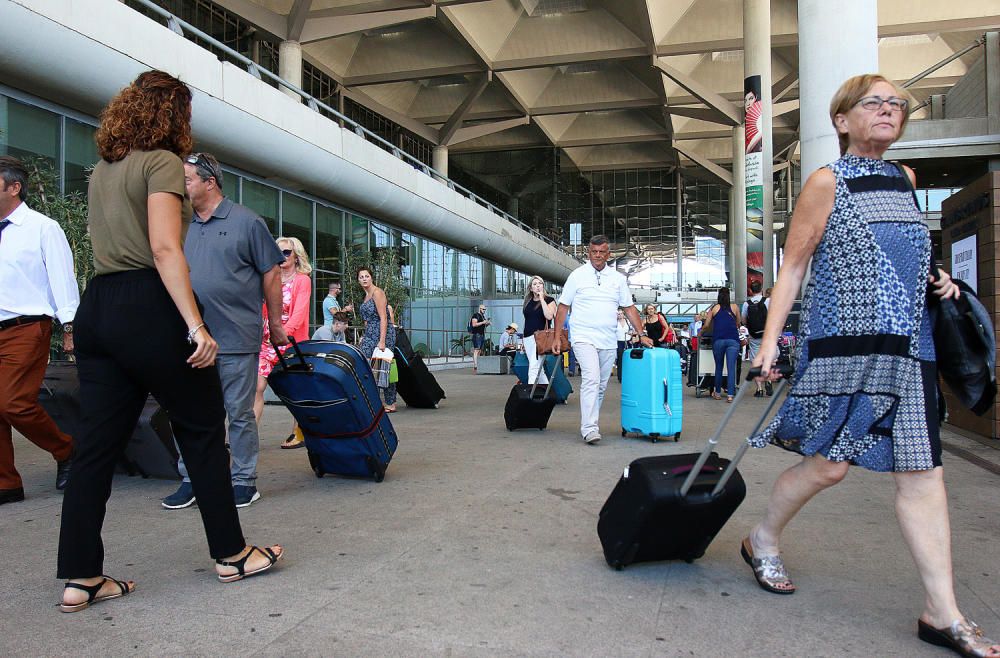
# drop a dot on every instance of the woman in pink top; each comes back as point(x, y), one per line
point(296, 289)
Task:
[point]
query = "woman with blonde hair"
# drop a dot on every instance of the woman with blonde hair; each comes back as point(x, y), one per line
point(864, 388)
point(139, 332)
point(296, 289)
point(539, 310)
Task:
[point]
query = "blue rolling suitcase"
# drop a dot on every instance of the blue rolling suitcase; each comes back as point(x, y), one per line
point(330, 389)
point(561, 388)
point(652, 393)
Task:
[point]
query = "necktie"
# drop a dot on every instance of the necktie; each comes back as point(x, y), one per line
point(4, 223)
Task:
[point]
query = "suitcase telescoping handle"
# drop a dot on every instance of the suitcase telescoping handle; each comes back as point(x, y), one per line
point(301, 365)
point(713, 441)
point(548, 387)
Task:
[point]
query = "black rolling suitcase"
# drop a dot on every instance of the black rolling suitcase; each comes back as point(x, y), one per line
point(151, 452)
point(416, 384)
point(60, 395)
point(670, 507)
point(528, 407)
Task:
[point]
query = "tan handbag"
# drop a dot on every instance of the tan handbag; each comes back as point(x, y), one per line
point(545, 340)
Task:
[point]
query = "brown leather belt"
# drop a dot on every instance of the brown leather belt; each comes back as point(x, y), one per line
point(22, 319)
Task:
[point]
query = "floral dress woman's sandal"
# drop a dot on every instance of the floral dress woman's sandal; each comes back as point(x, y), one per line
point(963, 637)
point(769, 570)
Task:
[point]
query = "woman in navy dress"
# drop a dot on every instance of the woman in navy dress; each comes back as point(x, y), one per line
point(863, 391)
point(379, 331)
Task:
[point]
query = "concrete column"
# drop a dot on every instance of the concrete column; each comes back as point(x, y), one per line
point(837, 40)
point(439, 160)
point(680, 226)
point(737, 247)
point(757, 62)
point(992, 59)
point(290, 65)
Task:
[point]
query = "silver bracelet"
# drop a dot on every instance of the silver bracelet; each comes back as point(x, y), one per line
point(193, 333)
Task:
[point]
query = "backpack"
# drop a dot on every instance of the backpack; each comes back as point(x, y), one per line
point(756, 318)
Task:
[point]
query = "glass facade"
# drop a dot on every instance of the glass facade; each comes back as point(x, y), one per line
point(445, 285)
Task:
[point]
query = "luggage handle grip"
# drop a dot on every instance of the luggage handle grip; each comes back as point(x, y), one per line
point(302, 365)
point(783, 369)
point(666, 398)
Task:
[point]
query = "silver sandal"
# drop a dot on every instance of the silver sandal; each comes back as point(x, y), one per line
point(964, 638)
point(769, 571)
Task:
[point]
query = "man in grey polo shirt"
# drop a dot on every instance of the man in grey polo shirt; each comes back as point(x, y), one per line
point(234, 265)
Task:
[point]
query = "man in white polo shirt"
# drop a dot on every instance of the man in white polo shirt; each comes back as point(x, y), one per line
point(596, 292)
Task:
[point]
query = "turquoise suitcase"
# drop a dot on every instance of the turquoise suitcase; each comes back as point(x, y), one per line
point(652, 402)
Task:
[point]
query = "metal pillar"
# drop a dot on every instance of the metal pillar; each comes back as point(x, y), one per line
point(737, 247)
point(757, 74)
point(680, 228)
point(290, 66)
point(837, 40)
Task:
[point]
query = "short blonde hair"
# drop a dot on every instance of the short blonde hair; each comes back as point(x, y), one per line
point(302, 265)
point(852, 91)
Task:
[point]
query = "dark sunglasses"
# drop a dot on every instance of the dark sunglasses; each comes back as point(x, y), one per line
point(199, 161)
point(287, 252)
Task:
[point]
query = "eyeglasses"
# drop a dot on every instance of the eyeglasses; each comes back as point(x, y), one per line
point(873, 103)
point(287, 252)
point(199, 161)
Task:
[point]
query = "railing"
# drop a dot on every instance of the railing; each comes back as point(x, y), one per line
point(184, 28)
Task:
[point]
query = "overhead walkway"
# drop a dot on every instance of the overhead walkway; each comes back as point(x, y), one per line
point(483, 543)
point(82, 53)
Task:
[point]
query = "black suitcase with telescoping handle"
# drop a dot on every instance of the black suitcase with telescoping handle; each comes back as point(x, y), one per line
point(416, 385)
point(529, 408)
point(670, 507)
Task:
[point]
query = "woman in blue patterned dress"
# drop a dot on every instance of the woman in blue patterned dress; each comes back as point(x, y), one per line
point(864, 388)
point(379, 331)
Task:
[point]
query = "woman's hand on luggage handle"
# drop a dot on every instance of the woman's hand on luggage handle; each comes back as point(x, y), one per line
point(205, 349)
point(767, 354)
point(278, 334)
point(944, 287)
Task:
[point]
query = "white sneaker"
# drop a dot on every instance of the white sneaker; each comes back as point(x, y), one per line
point(592, 437)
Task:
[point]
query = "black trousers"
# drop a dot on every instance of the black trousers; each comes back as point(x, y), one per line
point(130, 342)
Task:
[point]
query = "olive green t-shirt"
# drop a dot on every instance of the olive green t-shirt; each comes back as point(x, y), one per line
point(117, 214)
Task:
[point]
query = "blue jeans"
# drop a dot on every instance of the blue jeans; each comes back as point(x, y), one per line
point(728, 348)
point(238, 373)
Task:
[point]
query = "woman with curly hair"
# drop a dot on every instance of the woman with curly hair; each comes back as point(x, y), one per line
point(296, 291)
point(139, 331)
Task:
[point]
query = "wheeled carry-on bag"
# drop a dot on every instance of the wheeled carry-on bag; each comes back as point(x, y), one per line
point(330, 389)
point(671, 507)
point(416, 385)
point(652, 393)
point(529, 407)
point(561, 388)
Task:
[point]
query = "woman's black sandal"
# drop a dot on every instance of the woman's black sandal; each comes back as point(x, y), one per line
point(964, 638)
point(241, 564)
point(92, 590)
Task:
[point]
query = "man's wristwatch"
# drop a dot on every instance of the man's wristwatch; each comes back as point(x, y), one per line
point(67, 327)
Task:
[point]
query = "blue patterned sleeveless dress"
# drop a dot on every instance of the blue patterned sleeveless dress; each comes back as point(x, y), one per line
point(369, 340)
point(864, 388)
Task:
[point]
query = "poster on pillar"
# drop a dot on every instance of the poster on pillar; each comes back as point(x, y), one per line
point(753, 133)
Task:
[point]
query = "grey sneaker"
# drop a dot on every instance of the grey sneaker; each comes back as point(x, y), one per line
point(592, 437)
point(183, 497)
point(245, 495)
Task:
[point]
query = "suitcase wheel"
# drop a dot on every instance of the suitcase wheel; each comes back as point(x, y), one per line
point(654, 439)
point(624, 432)
point(677, 437)
point(319, 473)
point(377, 470)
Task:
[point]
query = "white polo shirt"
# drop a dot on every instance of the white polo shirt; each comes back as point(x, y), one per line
point(595, 297)
point(36, 268)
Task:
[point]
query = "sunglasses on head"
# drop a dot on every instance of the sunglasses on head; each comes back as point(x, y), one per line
point(199, 161)
point(287, 252)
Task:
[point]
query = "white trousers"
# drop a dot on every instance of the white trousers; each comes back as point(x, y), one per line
point(535, 369)
point(595, 371)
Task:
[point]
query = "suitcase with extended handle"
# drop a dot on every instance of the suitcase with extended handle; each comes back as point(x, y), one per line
point(527, 407)
point(671, 507)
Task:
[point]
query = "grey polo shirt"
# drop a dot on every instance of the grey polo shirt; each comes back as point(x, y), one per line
point(228, 255)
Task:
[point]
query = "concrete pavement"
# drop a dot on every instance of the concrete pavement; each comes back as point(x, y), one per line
point(482, 542)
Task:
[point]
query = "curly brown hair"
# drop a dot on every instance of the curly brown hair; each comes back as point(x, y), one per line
point(154, 112)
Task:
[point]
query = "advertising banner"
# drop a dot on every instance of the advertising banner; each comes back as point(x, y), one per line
point(963, 261)
point(754, 178)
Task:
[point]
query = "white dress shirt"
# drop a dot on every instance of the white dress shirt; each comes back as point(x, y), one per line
point(36, 268)
point(595, 297)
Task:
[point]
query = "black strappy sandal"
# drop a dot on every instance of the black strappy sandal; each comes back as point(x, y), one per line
point(241, 564)
point(92, 590)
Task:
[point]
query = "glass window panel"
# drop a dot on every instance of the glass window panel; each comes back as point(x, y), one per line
point(28, 132)
point(450, 281)
point(359, 232)
point(329, 238)
point(263, 200)
point(81, 155)
point(296, 220)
